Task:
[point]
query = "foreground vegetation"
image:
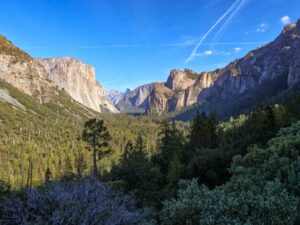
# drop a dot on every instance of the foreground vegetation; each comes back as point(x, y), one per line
point(264, 189)
point(84, 201)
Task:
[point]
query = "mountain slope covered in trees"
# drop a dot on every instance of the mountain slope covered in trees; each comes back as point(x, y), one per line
point(35, 136)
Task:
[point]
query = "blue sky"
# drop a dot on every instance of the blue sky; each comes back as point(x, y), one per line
point(132, 42)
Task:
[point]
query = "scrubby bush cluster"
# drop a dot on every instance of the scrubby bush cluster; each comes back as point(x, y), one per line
point(86, 201)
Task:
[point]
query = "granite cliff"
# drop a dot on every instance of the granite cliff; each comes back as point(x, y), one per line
point(135, 100)
point(79, 81)
point(115, 96)
point(22, 71)
point(41, 78)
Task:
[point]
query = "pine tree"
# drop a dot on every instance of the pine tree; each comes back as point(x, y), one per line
point(269, 123)
point(174, 173)
point(48, 175)
point(140, 145)
point(4, 188)
point(80, 164)
point(68, 166)
point(212, 129)
point(97, 136)
point(171, 143)
point(204, 131)
point(129, 148)
point(134, 169)
point(165, 150)
point(29, 173)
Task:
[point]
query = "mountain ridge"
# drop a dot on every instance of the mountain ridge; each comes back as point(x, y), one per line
point(187, 89)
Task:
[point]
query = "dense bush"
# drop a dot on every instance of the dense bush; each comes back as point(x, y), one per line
point(264, 189)
point(197, 205)
point(87, 201)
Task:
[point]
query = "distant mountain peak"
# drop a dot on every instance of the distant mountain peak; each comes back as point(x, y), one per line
point(115, 96)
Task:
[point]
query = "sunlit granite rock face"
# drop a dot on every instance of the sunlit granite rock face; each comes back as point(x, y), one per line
point(278, 60)
point(79, 81)
point(28, 76)
point(159, 99)
point(179, 80)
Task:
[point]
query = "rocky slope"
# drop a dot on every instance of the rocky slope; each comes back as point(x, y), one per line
point(23, 72)
point(115, 96)
point(41, 78)
point(136, 100)
point(78, 80)
point(157, 102)
point(262, 72)
point(276, 64)
point(180, 80)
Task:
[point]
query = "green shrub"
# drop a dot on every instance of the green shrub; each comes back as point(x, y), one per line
point(264, 189)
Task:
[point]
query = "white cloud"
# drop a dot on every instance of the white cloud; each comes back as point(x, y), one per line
point(208, 52)
point(205, 53)
point(238, 49)
point(285, 20)
point(216, 53)
point(262, 28)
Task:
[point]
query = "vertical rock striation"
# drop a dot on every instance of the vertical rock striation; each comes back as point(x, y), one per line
point(22, 71)
point(79, 81)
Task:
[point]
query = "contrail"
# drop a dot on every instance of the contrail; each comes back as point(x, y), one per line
point(164, 45)
point(194, 52)
point(228, 20)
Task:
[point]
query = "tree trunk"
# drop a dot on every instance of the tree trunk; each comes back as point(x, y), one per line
point(94, 156)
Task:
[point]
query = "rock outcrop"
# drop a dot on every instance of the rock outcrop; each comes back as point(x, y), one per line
point(158, 100)
point(79, 81)
point(115, 96)
point(179, 80)
point(5, 97)
point(23, 72)
point(137, 99)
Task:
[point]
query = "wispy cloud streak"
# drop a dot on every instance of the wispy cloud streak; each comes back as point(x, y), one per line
point(142, 46)
point(233, 9)
point(228, 20)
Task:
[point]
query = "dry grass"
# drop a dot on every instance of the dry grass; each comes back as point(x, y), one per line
point(7, 48)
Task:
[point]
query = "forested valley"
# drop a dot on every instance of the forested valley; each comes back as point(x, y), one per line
point(120, 169)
